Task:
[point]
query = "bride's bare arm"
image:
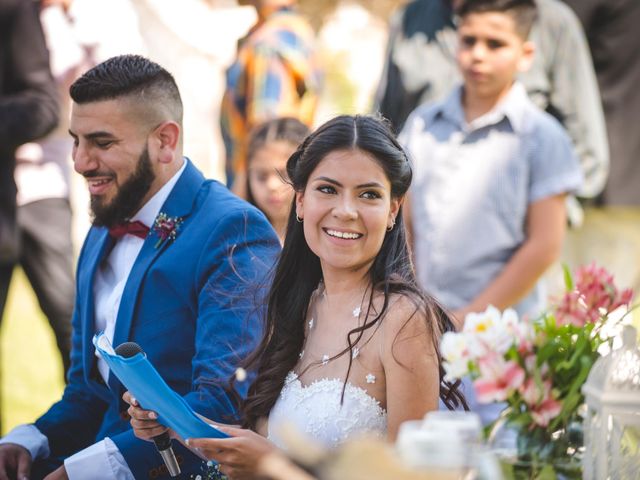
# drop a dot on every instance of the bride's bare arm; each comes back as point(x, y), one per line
point(410, 364)
point(238, 456)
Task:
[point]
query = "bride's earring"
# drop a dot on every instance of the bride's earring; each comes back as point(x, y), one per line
point(393, 224)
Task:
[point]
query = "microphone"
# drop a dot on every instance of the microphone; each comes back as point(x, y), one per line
point(162, 441)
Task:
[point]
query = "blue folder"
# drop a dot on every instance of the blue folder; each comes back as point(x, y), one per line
point(147, 386)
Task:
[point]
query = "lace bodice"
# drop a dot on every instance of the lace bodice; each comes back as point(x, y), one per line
point(316, 411)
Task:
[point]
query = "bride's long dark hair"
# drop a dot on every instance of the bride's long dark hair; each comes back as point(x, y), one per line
point(298, 273)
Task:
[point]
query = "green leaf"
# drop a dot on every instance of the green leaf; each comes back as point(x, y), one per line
point(547, 473)
point(630, 441)
point(508, 470)
point(568, 279)
point(578, 350)
point(574, 396)
point(548, 350)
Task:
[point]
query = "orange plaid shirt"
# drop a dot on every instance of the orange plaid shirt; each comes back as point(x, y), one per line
point(275, 74)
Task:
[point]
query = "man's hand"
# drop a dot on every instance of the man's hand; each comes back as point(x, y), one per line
point(58, 474)
point(144, 423)
point(15, 462)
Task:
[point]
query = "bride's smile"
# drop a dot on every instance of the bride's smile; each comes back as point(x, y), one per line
point(346, 209)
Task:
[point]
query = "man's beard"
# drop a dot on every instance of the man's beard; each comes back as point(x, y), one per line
point(128, 199)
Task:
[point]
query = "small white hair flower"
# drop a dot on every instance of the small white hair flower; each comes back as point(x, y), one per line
point(241, 374)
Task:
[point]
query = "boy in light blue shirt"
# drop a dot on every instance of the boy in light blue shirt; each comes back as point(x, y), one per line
point(491, 172)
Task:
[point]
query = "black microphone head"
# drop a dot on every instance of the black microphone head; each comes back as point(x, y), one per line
point(128, 349)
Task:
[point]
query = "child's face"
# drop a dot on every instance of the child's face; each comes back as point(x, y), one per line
point(267, 169)
point(346, 208)
point(491, 53)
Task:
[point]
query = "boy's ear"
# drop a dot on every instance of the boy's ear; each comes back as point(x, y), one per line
point(526, 60)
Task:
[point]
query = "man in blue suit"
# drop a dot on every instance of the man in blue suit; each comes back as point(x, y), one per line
point(172, 262)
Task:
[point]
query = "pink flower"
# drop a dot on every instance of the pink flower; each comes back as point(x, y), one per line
point(498, 379)
point(539, 396)
point(524, 336)
point(166, 228)
point(572, 310)
point(595, 295)
point(535, 394)
point(546, 411)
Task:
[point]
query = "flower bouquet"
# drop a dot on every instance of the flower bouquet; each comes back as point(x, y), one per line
point(537, 368)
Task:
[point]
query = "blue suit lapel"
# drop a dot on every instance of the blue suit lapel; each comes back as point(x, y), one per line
point(95, 253)
point(180, 203)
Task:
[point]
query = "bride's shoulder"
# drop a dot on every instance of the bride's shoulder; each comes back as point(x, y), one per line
point(410, 361)
point(407, 320)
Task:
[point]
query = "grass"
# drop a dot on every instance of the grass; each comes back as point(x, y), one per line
point(31, 369)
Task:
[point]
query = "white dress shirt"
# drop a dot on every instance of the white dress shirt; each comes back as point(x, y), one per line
point(102, 460)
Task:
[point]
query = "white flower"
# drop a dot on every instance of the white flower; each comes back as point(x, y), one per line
point(491, 331)
point(480, 323)
point(455, 353)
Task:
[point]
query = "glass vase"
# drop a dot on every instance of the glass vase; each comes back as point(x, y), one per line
point(537, 453)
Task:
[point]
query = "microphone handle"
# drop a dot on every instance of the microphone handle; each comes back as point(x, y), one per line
point(163, 445)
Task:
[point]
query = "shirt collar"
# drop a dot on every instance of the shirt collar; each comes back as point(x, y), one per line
point(148, 213)
point(511, 107)
point(451, 107)
point(264, 14)
point(268, 10)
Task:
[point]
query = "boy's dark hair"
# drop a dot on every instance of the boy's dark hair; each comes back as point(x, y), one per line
point(524, 12)
point(134, 76)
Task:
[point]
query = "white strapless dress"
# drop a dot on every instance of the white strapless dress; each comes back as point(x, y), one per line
point(315, 410)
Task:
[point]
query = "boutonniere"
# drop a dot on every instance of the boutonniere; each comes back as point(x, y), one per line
point(166, 228)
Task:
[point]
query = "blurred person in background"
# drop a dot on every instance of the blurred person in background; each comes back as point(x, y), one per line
point(28, 110)
point(42, 170)
point(42, 175)
point(611, 231)
point(275, 74)
point(421, 67)
point(492, 171)
point(28, 106)
point(270, 146)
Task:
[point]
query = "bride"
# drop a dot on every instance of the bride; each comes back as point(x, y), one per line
point(350, 342)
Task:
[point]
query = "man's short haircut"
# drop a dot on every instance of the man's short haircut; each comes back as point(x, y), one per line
point(524, 12)
point(134, 77)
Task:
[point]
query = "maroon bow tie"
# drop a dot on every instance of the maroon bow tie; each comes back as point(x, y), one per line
point(136, 228)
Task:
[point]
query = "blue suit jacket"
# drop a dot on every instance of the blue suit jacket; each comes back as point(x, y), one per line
point(192, 304)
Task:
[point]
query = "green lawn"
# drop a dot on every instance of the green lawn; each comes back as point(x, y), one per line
point(31, 368)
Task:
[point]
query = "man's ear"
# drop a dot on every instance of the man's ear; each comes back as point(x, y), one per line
point(526, 60)
point(167, 140)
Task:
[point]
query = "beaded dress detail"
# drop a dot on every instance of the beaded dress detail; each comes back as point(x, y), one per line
point(316, 411)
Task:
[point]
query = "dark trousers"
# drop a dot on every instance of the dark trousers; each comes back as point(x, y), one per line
point(43, 467)
point(46, 256)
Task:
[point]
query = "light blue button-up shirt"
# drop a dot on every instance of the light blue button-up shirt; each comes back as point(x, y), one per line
point(473, 184)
